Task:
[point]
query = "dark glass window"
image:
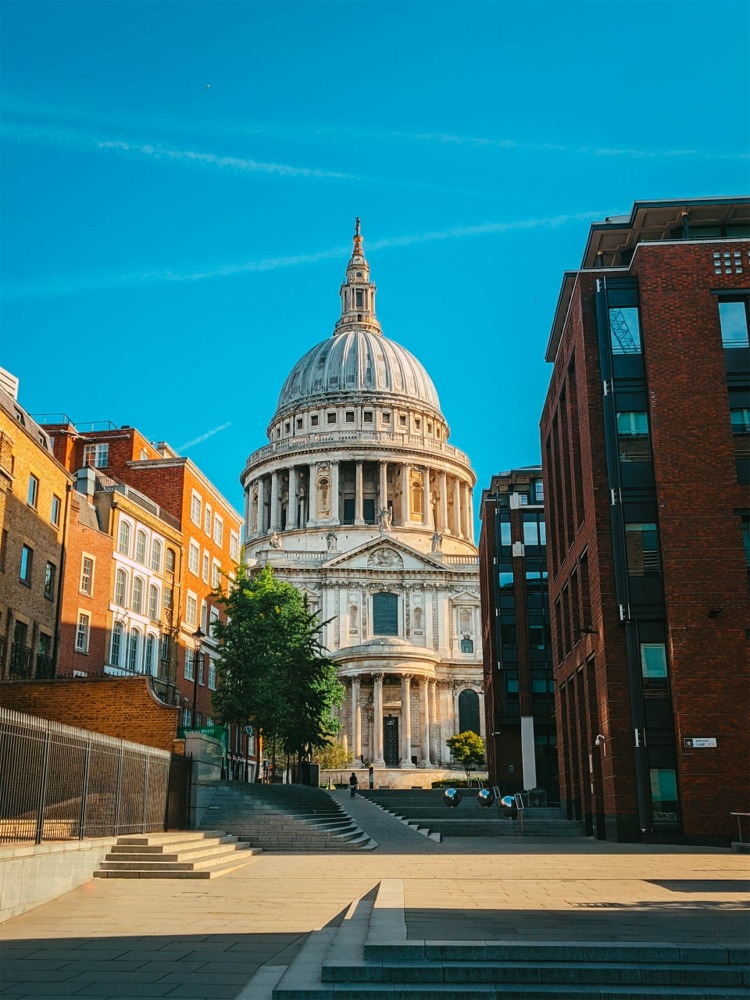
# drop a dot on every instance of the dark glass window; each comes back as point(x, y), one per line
point(468, 712)
point(467, 646)
point(27, 558)
point(625, 330)
point(740, 417)
point(734, 322)
point(49, 580)
point(348, 510)
point(368, 511)
point(385, 614)
point(642, 545)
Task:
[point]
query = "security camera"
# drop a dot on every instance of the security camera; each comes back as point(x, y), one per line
point(599, 740)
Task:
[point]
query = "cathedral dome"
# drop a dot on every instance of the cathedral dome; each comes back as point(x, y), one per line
point(356, 361)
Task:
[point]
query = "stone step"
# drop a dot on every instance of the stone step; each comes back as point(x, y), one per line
point(176, 855)
point(369, 956)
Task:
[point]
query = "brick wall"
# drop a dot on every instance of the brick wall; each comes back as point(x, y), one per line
point(124, 707)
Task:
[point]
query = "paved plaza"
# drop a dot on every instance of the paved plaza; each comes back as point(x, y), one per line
point(132, 939)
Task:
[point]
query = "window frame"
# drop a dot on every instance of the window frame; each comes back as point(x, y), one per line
point(83, 632)
point(26, 568)
point(84, 576)
point(32, 492)
point(50, 574)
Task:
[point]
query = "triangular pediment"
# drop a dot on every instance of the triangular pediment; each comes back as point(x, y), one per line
point(386, 553)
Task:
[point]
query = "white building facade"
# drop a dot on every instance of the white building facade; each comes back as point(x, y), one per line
point(360, 502)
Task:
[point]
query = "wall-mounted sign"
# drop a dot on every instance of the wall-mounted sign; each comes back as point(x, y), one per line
point(699, 742)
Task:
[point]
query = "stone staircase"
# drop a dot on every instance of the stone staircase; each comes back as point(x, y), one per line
point(183, 854)
point(425, 809)
point(285, 818)
point(367, 955)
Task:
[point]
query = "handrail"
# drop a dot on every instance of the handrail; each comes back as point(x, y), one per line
point(739, 823)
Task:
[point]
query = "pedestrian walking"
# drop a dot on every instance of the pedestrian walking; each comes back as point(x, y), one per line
point(353, 784)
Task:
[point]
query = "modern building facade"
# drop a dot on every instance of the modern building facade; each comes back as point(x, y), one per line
point(518, 679)
point(360, 502)
point(645, 444)
point(33, 512)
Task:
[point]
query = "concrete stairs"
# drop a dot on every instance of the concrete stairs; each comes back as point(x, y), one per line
point(366, 954)
point(425, 809)
point(285, 818)
point(183, 854)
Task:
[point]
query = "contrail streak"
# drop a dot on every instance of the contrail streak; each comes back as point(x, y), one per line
point(204, 437)
point(92, 281)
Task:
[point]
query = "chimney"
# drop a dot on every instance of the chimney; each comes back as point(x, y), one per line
point(86, 481)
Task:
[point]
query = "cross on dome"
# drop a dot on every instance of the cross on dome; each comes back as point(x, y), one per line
point(357, 292)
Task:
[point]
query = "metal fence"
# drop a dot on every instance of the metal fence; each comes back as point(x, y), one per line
point(61, 783)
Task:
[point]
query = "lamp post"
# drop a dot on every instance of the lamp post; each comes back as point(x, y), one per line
point(198, 637)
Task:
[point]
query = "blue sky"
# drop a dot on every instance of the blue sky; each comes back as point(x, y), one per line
point(170, 250)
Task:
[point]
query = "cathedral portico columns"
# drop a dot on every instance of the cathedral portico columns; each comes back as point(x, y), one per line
point(261, 522)
point(377, 719)
point(434, 732)
point(406, 720)
point(405, 494)
point(383, 488)
point(425, 495)
point(443, 502)
point(356, 710)
point(335, 517)
point(312, 494)
point(466, 509)
point(273, 520)
point(291, 505)
point(457, 506)
point(424, 698)
point(359, 517)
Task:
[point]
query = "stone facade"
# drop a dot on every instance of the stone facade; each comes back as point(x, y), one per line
point(360, 502)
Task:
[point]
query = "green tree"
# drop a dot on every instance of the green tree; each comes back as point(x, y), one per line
point(333, 757)
point(467, 749)
point(272, 670)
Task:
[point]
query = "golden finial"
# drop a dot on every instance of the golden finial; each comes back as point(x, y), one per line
point(357, 239)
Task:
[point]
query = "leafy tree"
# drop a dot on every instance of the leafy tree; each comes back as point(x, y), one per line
point(333, 757)
point(272, 670)
point(467, 749)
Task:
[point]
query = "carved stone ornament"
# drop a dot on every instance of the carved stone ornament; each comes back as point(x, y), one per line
point(385, 557)
point(275, 540)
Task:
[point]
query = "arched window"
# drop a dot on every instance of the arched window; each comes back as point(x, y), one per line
point(137, 603)
point(148, 658)
point(385, 614)
point(153, 603)
point(134, 650)
point(140, 546)
point(156, 555)
point(467, 645)
point(121, 587)
point(123, 538)
point(468, 711)
point(115, 651)
point(170, 560)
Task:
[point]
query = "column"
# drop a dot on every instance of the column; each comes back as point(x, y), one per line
point(405, 494)
point(335, 493)
point(406, 721)
point(383, 488)
point(312, 494)
point(274, 518)
point(434, 732)
point(359, 517)
point(466, 510)
point(424, 698)
point(356, 709)
point(457, 505)
point(425, 495)
point(377, 719)
point(443, 502)
point(291, 510)
point(261, 506)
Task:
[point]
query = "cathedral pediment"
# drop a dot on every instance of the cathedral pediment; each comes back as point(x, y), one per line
point(384, 554)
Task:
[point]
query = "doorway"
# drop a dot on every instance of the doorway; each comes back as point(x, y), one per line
point(390, 741)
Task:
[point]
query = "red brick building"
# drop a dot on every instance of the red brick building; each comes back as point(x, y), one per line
point(519, 701)
point(646, 453)
point(167, 499)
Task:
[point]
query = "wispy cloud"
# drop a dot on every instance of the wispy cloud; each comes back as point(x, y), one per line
point(75, 284)
point(204, 437)
point(449, 139)
point(74, 138)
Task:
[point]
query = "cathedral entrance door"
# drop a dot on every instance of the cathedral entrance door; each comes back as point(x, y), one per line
point(390, 741)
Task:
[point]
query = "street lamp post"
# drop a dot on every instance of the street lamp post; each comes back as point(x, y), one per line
point(198, 637)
